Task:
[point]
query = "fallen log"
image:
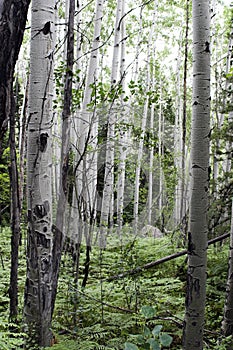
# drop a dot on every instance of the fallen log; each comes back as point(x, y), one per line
point(162, 260)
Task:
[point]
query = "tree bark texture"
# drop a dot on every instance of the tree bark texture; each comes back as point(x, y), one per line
point(15, 217)
point(198, 226)
point(38, 289)
point(65, 149)
point(13, 16)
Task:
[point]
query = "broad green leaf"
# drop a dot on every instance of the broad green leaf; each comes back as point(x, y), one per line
point(154, 344)
point(148, 311)
point(130, 346)
point(146, 331)
point(165, 339)
point(157, 330)
point(140, 339)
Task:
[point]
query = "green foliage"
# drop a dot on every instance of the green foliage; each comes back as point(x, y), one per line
point(149, 339)
point(11, 337)
point(105, 315)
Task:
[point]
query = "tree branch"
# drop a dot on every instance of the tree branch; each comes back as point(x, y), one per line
point(147, 266)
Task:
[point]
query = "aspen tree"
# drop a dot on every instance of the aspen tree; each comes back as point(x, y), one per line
point(88, 126)
point(151, 163)
point(123, 135)
point(38, 289)
point(107, 200)
point(184, 117)
point(177, 137)
point(152, 116)
point(198, 225)
point(160, 155)
point(143, 122)
point(58, 229)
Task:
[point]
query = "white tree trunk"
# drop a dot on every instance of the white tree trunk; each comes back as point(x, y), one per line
point(88, 126)
point(37, 309)
point(149, 80)
point(198, 225)
point(123, 136)
point(107, 200)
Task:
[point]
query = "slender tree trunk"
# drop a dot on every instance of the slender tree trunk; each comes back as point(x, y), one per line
point(160, 155)
point(15, 217)
point(22, 144)
point(65, 149)
point(123, 134)
point(198, 226)
point(38, 289)
point(144, 121)
point(107, 200)
point(177, 137)
point(227, 324)
point(151, 163)
point(183, 163)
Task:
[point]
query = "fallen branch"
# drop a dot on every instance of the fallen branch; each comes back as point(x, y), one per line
point(107, 305)
point(161, 261)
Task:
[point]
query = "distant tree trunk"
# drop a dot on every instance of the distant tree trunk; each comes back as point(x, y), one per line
point(151, 163)
point(177, 138)
point(227, 324)
point(183, 157)
point(123, 134)
point(108, 197)
point(161, 155)
point(88, 129)
point(38, 289)
point(150, 46)
point(198, 225)
point(13, 16)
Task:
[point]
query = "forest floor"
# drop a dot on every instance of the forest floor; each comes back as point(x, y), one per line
point(118, 313)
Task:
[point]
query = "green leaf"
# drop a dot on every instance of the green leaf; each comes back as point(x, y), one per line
point(154, 344)
point(140, 339)
point(130, 346)
point(146, 331)
point(157, 330)
point(148, 311)
point(165, 339)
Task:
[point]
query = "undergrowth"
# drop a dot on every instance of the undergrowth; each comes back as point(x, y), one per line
point(106, 314)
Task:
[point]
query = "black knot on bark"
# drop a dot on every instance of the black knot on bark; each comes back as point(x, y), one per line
point(46, 29)
point(41, 210)
point(207, 46)
point(43, 141)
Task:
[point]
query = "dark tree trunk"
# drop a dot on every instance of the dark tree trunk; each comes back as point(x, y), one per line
point(15, 218)
point(13, 16)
